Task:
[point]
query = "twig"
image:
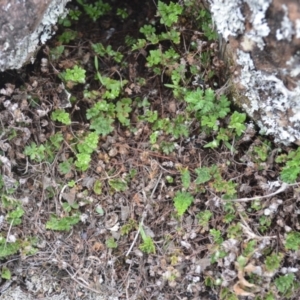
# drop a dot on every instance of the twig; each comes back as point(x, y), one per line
point(82, 284)
point(283, 187)
point(251, 234)
point(137, 234)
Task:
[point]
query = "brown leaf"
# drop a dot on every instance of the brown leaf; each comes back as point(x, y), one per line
point(240, 292)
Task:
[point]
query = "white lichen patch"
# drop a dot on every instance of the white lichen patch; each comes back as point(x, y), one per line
point(297, 29)
point(286, 31)
point(260, 28)
point(294, 65)
point(278, 107)
point(228, 17)
point(230, 21)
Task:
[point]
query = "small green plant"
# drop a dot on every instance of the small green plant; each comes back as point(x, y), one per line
point(237, 122)
point(217, 236)
point(111, 243)
point(97, 188)
point(264, 223)
point(291, 170)
point(185, 178)
point(128, 227)
point(182, 201)
point(75, 75)
point(85, 150)
point(96, 9)
point(204, 218)
point(169, 13)
point(108, 51)
point(25, 247)
point(62, 224)
point(292, 241)
point(249, 248)
point(234, 231)
point(67, 36)
point(61, 116)
point(273, 261)
point(122, 13)
point(65, 167)
point(56, 53)
point(205, 23)
point(5, 273)
point(148, 245)
point(118, 185)
point(68, 207)
point(226, 294)
point(35, 153)
point(285, 283)
point(45, 151)
point(14, 216)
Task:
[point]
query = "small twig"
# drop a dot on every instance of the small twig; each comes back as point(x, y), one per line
point(63, 189)
point(8, 233)
point(283, 187)
point(82, 284)
point(251, 234)
point(137, 234)
point(156, 184)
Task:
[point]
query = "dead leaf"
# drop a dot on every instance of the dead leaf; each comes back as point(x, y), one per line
point(240, 292)
point(97, 247)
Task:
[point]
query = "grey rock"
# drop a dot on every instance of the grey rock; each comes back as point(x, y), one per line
point(24, 26)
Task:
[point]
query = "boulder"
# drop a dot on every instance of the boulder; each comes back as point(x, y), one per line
point(24, 26)
point(263, 49)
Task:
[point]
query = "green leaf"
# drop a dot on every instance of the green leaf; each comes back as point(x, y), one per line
point(237, 122)
point(118, 185)
point(76, 75)
point(292, 241)
point(123, 109)
point(284, 283)
point(182, 202)
point(203, 175)
point(5, 273)
point(14, 216)
point(102, 125)
point(62, 224)
point(273, 261)
point(148, 245)
point(61, 116)
point(66, 166)
point(83, 161)
point(89, 144)
point(7, 249)
point(97, 187)
point(185, 178)
point(169, 13)
point(111, 243)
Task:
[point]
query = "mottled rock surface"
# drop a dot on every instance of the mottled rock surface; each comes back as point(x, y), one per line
point(264, 47)
point(24, 25)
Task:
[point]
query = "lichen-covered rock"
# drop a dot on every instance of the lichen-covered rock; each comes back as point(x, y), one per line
point(264, 46)
point(24, 25)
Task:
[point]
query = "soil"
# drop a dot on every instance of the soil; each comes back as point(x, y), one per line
point(78, 264)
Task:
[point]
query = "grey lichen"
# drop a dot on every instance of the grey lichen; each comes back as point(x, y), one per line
point(228, 23)
point(279, 110)
point(286, 31)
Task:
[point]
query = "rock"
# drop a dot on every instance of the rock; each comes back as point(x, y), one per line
point(263, 47)
point(25, 25)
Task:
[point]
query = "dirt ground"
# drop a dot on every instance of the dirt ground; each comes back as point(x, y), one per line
point(83, 262)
